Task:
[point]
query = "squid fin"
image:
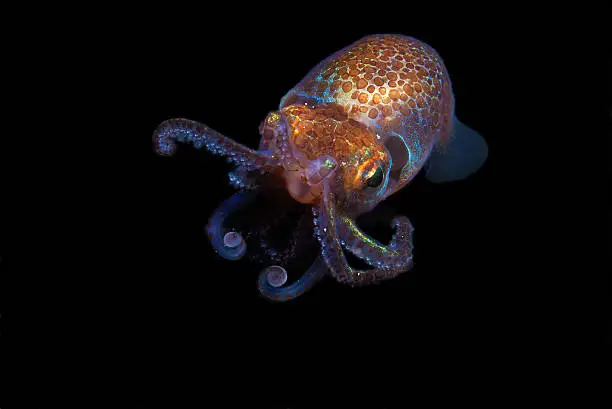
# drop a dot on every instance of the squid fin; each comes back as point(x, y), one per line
point(465, 153)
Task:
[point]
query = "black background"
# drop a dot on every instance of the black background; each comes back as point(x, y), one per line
point(141, 299)
point(457, 300)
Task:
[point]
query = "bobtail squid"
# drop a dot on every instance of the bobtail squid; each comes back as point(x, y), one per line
point(356, 129)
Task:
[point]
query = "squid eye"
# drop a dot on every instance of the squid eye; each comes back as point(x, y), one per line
point(376, 178)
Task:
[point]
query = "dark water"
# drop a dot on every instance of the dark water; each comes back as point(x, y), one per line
point(457, 290)
point(146, 305)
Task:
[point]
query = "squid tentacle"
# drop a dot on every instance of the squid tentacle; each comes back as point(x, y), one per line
point(326, 231)
point(239, 179)
point(287, 153)
point(216, 232)
point(398, 254)
point(170, 131)
point(308, 279)
point(314, 273)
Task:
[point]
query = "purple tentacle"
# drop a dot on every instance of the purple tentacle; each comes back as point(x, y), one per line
point(184, 130)
point(239, 179)
point(288, 155)
point(316, 271)
point(216, 231)
point(326, 231)
point(398, 254)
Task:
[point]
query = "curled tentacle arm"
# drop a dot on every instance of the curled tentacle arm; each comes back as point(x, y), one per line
point(398, 254)
point(326, 230)
point(185, 130)
point(306, 282)
point(231, 247)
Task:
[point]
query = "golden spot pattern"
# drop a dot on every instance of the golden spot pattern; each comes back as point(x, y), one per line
point(408, 74)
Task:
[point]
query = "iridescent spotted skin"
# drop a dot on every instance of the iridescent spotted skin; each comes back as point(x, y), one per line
point(355, 130)
point(396, 86)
